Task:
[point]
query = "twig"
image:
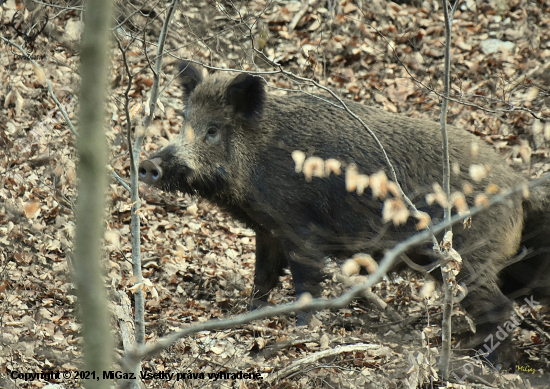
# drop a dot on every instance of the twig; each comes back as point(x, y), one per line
point(448, 279)
point(269, 351)
point(123, 312)
point(156, 71)
point(371, 297)
point(420, 268)
point(134, 366)
point(119, 179)
point(299, 15)
point(443, 115)
point(315, 357)
point(139, 303)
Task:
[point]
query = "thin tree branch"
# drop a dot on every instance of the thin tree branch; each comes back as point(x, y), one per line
point(298, 365)
point(119, 179)
point(136, 202)
point(139, 303)
point(446, 329)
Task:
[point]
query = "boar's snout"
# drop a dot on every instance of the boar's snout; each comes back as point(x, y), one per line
point(150, 171)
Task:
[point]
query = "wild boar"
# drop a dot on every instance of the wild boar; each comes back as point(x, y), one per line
point(235, 149)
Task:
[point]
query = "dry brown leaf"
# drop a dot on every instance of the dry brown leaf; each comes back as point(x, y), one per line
point(350, 267)
point(315, 25)
point(525, 191)
point(351, 177)
point(332, 166)
point(447, 241)
point(492, 189)
point(349, 7)
point(459, 202)
point(455, 168)
point(427, 289)
point(474, 149)
point(40, 76)
point(30, 209)
point(366, 261)
point(362, 183)
point(299, 157)
point(547, 131)
point(525, 153)
point(394, 189)
point(313, 167)
point(378, 183)
point(537, 127)
point(478, 172)
point(531, 94)
point(396, 211)
point(15, 99)
point(73, 29)
point(423, 220)
point(481, 200)
point(135, 110)
point(391, 107)
point(438, 196)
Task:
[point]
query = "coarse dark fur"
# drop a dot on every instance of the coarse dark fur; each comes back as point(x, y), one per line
point(235, 150)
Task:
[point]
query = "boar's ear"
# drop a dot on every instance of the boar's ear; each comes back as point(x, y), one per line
point(247, 95)
point(190, 77)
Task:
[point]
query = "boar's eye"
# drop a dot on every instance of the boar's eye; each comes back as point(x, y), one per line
point(213, 135)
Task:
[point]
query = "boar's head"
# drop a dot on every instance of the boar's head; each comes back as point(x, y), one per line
point(211, 155)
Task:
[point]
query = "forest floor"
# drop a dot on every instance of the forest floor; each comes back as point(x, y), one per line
point(198, 263)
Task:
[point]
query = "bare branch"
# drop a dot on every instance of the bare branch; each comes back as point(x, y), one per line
point(299, 15)
point(448, 280)
point(119, 179)
point(139, 300)
point(136, 202)
point(315, 357)
point(371, 297)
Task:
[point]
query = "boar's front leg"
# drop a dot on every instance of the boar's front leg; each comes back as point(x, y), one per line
point(272, 256)
point(306, 263)
point(270, 263)
point(306, 274)
point(307, 277)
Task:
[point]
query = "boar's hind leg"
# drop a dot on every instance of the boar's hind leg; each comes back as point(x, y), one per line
point(270, 263)
point(490, 309)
